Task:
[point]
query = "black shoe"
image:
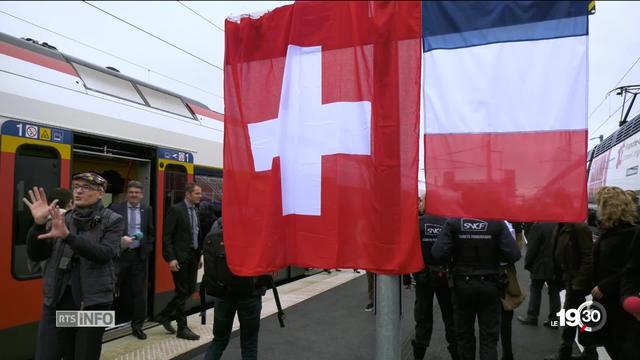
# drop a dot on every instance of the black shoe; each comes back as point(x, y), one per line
point(187, 334)
point(548, 324)
point(137, 332)
point(528, 321)
point(166, 324)
point(369, 307)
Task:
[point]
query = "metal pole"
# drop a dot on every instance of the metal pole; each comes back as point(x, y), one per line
point(388, 292)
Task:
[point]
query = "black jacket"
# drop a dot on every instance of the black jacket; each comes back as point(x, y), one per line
point(573, 255)
point(177, 234)
point(630, 281)
point(539, 258)
point(477, 247)
point(430, 228)
point(611, 254)
point(96, 250)
point(146, 226)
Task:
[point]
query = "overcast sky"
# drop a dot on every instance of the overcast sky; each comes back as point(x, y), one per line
point(84, 31)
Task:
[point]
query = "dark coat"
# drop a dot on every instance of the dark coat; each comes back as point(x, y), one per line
point(573, 257)
point(146, 226)
point(630, 281)
point(539, 258)
point(611, 254)
point(177, 234)
point(96, 249)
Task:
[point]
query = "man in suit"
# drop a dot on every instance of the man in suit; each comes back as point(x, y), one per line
point(181, 250)
point(132, 278)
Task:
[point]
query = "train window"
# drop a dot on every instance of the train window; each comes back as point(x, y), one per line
point(34, 166)
point(211, 184)
point(107, 84)
point(175, 178)
point(165, 102)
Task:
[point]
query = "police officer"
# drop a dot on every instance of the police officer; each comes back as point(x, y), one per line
point(432, 280)
point(476, 248)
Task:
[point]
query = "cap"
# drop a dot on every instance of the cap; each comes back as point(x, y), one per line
point(632, 305)
point(92, 178)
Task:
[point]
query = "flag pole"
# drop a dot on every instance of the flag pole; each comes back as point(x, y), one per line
point(388, 313)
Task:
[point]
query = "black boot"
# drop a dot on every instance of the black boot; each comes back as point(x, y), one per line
point(453, 351)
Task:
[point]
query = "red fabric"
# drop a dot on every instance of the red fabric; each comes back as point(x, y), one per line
point(371, 52)
point(489, 175)
point(632, 305)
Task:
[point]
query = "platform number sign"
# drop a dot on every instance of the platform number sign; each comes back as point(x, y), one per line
point(31, 131)
point(175, 155)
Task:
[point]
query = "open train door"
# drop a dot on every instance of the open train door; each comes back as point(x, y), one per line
point(32, 155)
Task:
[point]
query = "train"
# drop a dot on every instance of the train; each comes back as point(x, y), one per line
point(615, 161)
point(61, 115)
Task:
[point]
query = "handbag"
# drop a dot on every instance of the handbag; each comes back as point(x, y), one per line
point(513, 295)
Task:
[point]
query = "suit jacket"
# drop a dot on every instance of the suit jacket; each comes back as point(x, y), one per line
point(146, 226)
point(539, 258)
point(178, 234)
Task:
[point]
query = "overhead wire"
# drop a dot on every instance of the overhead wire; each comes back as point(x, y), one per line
point(199, 15)
point(154, 36)
point(110, 54)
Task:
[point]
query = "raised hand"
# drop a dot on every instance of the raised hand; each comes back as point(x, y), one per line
point(58, 227)
point(38, 205)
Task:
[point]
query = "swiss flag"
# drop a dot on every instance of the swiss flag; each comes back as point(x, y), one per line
point(505, 109)
point(321, 138)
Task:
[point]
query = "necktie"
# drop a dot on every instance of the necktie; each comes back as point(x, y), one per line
point(194, 226)
point(132, 220)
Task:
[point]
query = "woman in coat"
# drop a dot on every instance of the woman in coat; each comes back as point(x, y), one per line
point(611, 253)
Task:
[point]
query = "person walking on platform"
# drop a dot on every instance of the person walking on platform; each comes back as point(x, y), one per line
point(612, 255)
point(136, 245)
point(573, 263)
point(232, 293)
point(539, 262)
point(80, 247)
point(432, 280)
point(181, 249)
point(476, 248)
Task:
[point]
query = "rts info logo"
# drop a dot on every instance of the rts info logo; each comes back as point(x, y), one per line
point(590, 316)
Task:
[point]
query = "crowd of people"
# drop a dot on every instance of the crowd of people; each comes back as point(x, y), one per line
point(470, 270)
point(95, 258)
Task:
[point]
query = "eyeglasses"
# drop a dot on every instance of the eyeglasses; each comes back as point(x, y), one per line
point(84, 187)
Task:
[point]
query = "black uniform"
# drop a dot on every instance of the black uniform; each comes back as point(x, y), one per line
point(431, 280)
point(476, 247)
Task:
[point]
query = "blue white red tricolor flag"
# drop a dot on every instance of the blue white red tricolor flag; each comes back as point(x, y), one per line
point(321, 137)
point(505, 109)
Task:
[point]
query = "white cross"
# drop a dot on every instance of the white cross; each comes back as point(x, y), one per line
point(305, 130)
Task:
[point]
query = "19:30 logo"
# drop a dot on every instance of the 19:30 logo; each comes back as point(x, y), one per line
point(590, 316)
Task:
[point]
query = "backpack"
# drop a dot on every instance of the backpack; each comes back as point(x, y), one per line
point(218, 279)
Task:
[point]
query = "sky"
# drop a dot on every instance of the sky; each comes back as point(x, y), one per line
point(179, 46)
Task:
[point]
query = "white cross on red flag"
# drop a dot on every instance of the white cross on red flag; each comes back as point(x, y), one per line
point(321, 138)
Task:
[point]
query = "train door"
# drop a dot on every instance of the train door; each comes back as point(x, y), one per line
point(118, 162)
point(32, 155)
point(175, 169)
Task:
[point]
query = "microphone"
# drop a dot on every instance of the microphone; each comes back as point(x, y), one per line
point(137, 236)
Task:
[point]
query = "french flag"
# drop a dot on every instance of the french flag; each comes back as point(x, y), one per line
point(505, 109)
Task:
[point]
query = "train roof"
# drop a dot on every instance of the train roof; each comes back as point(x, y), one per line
point(623, 133)
point(52, 52)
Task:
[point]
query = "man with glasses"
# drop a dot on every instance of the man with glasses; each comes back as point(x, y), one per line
point(137, 243)
point(181, 249)
point(80, 247)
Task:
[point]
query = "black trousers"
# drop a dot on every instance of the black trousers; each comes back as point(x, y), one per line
point(185, 285)
point(506, 321)
point(132, 281)
point(572, 300)
point(473, 297)
point(428, 284)
point(56, 343)
point(624, 331)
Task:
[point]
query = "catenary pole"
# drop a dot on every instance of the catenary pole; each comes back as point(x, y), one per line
point(388, 312)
